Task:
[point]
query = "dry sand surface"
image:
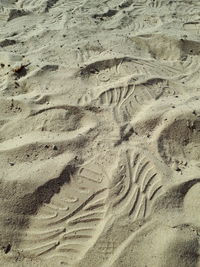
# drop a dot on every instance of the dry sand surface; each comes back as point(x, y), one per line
point(100, 133)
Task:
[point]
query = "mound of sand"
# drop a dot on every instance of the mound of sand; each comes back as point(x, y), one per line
point(99, 133)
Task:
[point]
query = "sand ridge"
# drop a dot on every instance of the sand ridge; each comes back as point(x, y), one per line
point(99, 133)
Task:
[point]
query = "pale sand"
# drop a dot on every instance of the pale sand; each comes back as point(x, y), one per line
point(100, 133)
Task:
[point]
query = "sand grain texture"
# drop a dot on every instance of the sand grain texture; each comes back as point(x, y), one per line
point(99, 133)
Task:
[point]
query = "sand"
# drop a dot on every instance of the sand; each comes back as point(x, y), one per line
point(100, 133)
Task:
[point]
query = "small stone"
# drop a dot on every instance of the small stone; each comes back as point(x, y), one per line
point(176, 167)
point(11, 163)
point(55, 147)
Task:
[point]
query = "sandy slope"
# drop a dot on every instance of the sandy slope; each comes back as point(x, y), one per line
point(100, 133)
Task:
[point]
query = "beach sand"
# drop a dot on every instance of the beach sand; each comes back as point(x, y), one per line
point(100, 133)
